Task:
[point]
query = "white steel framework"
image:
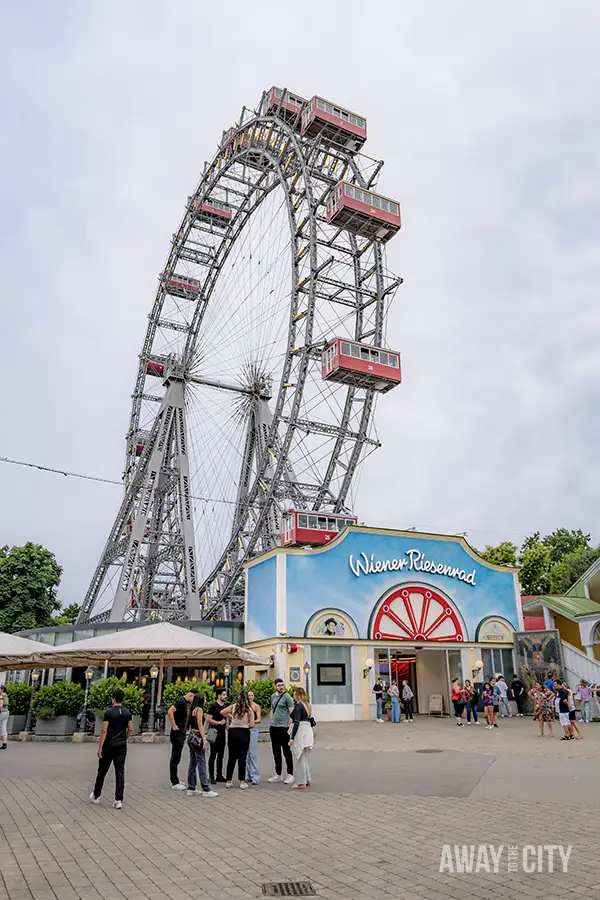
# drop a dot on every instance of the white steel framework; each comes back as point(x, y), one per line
point(241, 425)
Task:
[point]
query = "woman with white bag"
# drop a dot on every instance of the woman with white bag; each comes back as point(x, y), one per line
point(301, 740)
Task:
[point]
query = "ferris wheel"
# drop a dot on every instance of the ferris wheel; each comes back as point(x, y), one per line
point(263, 358)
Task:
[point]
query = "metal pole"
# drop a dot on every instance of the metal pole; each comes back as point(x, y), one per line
point(29, 722)
point(152, 713)
point(83, 720)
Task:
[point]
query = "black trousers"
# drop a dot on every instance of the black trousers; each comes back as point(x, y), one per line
point(238, 742)
point(520, 701)
point(280, 741)
point(177, 739)
point(116, 757)
point(408, 712)
point(217, 754)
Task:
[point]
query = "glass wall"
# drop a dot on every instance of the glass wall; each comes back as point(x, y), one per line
point(331, 674)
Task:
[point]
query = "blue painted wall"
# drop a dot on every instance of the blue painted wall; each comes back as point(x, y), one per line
point(261, 611)
point(327, 579)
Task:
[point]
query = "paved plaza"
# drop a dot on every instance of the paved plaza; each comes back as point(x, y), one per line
point(374, 824)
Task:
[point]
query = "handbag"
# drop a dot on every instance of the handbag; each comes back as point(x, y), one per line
point(211, 734)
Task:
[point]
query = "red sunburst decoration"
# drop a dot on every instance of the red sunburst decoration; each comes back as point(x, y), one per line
point(416, 613)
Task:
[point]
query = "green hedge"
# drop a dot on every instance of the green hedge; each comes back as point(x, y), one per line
point(63, 698)
point(174, 691)
point(19, 696)
point(100, 696)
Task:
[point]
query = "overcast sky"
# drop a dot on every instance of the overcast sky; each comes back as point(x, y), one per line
point(488, 120)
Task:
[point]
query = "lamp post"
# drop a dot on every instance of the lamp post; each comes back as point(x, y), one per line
point(34, 681)
point(477, 670)
point(306, 676)
point(152, 713)
point(227, 672)
point(369, 663)
point(82, 724)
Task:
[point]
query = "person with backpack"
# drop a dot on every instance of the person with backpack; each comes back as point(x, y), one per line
point(281, 709)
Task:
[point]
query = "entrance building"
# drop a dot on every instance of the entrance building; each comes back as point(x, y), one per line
point(376, 603)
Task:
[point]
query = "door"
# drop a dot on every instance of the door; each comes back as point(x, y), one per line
point(403, 667)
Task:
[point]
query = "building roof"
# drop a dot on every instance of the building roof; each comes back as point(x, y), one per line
point(572, 607)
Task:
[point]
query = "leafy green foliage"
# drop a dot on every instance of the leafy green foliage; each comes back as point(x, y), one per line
point(64, 698)
point(174, 691)
point(547, 565)
point(534, 571)
point(19, 695)
point(570, 568)
point(46, 713)
point(29, 579)
point(67, 616)
point(504, 554)
point(100, 696)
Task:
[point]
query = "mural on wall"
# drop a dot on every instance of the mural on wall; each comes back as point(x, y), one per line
point(357, 573)
point(261, 608)
point(330, 623)
point(415, 612)
point(538, 655)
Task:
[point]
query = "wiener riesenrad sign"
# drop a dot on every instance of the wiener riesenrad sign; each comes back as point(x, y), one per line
point(410, 561)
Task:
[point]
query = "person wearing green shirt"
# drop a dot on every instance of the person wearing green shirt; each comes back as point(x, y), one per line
point(281, 708)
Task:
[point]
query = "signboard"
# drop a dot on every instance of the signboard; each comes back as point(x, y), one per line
point(494, 630)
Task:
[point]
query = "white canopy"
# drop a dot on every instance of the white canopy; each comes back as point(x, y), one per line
point(162, 643)
point(13, 647)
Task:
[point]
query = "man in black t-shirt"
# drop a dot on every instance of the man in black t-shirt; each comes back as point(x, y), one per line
point(217, 747)
point(116, 729)
point(178, 716)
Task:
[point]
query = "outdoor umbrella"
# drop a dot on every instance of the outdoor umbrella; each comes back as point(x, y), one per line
point(162, 643)
point(19, 653)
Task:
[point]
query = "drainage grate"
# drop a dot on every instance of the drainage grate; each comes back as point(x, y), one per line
point(429, 750)
point(289, 889)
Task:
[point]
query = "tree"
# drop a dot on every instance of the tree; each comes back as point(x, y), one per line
point(67, 616)
point(534, 574)
point(570, 568)
point(504, 554)
point(29, 579)
point(565, 541)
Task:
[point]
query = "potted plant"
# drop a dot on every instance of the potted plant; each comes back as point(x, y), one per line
point(56, 707)
point(19, 695)
point(175, 690)
point(100, 699)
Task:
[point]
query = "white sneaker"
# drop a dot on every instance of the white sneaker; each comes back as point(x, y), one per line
point(380, 720)
point(94, 799)
point(118, 804)
point(274, 778)
point(477, 723)
point(289, 779)
point(243, 786)
point(468, 723)
point(209, 794)
point(228, 784)
point(190, 791)
point(178, 787)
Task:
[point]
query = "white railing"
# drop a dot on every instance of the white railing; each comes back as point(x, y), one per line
point(578, 665)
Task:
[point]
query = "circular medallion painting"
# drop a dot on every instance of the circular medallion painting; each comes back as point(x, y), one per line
point(416, 612)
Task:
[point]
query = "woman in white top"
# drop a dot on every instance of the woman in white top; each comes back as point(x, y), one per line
point(241, 717)
point(302, 740)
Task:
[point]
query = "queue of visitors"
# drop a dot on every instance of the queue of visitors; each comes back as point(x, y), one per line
point(234, 725)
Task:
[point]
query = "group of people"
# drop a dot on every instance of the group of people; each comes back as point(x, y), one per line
point(232, 726)
point(494, 694)
point(401, 698)
point(554, 699)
